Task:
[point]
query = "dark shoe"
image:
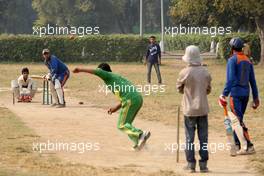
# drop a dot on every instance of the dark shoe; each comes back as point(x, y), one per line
point(54, 104)
point(61, 106)
point(190, 167)
point(203, 167)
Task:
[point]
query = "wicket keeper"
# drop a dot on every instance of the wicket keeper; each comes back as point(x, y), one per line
point(58, 76)
point(130, 102)
point(24, 88)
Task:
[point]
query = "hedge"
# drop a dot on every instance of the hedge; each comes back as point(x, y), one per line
point(252, 39)
point(116, 48)
point(27, 48)
point(180, 42)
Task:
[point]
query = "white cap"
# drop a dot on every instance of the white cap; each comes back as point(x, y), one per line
point(192, 55)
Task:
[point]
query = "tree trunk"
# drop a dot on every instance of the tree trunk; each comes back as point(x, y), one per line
point(260, 26)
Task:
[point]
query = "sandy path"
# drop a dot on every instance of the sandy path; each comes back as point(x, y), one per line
point(88, 124)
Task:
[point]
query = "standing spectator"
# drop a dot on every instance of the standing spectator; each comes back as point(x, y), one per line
point(153, 58)
point(194, 83)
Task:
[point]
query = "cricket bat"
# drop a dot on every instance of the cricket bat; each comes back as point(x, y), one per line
point(36, 77)
point(229, 132)
point(238, 129)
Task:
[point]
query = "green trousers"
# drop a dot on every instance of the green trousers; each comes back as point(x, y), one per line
point(129, 110)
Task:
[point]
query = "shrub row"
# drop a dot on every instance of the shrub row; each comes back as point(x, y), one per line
point(252, 39)
point(180, 42)
point(27, 48)
point(116, 48)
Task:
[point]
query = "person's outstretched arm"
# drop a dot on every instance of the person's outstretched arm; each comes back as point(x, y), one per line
point(84, 70)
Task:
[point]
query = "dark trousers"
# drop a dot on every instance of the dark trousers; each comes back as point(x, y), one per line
point(156, 66)
point(238, 106)
point(201, 123)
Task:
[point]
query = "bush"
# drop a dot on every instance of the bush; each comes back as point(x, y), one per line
point(28, 48)
point(252, 39)
point(180, 42)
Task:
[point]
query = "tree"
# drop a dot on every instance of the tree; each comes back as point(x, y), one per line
point(16, 16)
point(222, 12)
point(60, 12)
point(112, 16)
point(251, 9)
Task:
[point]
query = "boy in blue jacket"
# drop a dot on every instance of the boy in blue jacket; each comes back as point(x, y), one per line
point(240, 77)
point(153, 58)
point(58, 76)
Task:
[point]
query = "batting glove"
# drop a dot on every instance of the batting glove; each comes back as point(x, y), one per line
point(222, 101)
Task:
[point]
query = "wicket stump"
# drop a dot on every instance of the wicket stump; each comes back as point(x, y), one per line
point(47, 98)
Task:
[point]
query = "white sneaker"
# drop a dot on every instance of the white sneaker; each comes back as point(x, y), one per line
point(251, 150)
point(135, 148)
point(233, 151)
point(143, 139)
point(242, 152)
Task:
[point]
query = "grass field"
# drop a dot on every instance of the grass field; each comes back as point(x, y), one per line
point(16, 137)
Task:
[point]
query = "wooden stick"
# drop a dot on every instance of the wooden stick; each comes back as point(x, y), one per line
point(178, 135)
point(43, 92)
point(13, 98)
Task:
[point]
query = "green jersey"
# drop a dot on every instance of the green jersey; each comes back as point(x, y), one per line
point(120, 86)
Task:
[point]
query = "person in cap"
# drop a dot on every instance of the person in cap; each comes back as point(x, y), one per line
point(58, 76)
point(194, 82)
point(24, 88)
point(130, 102)
point(239, 78)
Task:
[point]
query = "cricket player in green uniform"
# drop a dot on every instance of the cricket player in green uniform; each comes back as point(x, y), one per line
point(130, 102)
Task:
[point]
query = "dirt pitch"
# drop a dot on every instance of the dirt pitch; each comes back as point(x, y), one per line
point(88, 124)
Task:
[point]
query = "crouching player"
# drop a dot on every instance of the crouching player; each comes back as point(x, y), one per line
point(24, 88)
point(130, 102)
point(59, 74)
point(240, 77)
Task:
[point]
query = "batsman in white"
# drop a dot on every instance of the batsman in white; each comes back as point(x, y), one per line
point(58, 76)
point(24, 88)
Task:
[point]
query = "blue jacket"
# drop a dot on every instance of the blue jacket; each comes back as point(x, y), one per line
point(240, 74)
point(153, 53)
point(57, 67)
